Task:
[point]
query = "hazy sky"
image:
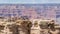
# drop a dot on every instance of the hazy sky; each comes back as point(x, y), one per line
point(29, 1)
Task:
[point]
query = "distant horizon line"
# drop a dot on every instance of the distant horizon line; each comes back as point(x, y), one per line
point(48, 4)
point(29, 3)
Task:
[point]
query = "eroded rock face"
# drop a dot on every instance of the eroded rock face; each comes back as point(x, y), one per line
point(1, 27)
point(14, 29)
point(26, 27)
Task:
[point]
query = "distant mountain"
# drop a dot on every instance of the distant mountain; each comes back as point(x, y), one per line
point(47, 11)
